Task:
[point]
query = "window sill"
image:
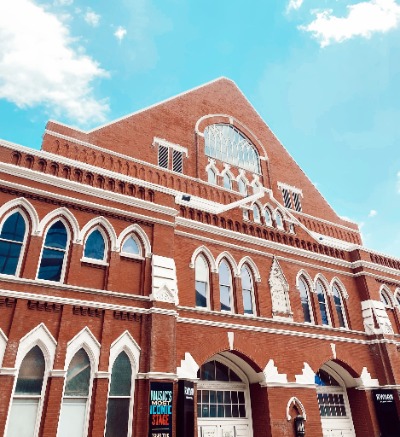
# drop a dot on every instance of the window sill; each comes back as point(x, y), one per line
point(132, 256)
point(94, 262)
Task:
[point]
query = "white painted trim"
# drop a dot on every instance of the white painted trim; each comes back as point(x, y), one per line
point(88, 190)
point(141, 236)
point(162, 142)
point(55, 218)
point(230, 260)
point(272, 375)
point(385, 291)
point(26, 208)
point(86, 340)
point(295, 401)
point(291, 188)
point(70, 222)
point(125, 343)
point(157, 375)
point(338, 225)
point(3, 345)
point(147, 218)
point(41, 337)
point(188, 368)
point(203, 250)
point(246, 260)
point(307, 376)
point(105, 228)
point(340, 286)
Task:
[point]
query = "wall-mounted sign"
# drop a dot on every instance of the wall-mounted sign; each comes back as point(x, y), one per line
point(160, 413)
point(386, 411)
point(185, 413)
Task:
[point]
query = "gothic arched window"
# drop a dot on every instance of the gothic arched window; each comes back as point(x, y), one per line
point(12, 237)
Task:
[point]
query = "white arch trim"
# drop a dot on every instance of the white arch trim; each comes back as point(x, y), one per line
point(249, 262)
point(3, 345)
point(231, 261)
point(100, 222)
point(307, 277)
point(295, 401)
point(385, 290)
point(321, 278)
point(339, 284)
point(41, 337)
point(397, 296)
point(23, 205)
point(144, 239)
point(86, 340)
point(125, 343)
point(60, 213)
point(213, 167)
point(231, 120)
point(203, 250)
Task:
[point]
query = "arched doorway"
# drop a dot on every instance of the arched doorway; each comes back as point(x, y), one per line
point(333, 404)
point(223, 400)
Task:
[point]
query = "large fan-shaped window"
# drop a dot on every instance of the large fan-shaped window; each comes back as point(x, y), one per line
point(226, 143)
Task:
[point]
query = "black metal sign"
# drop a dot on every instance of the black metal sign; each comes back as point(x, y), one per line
point(160, 413)
point(386, 412)
point(185, 413)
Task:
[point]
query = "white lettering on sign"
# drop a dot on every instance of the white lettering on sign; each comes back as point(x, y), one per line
point(384, 397)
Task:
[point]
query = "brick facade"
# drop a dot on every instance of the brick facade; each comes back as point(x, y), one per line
point(109, 179)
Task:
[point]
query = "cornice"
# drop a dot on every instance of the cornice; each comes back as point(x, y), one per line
point(285, 332)
point(79, 202)
point(249, 239)
point(374, 266)
point(325, 221)
point(85, 189)
point(88, 303)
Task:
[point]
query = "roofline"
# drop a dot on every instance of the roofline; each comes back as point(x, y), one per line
point(176, 96)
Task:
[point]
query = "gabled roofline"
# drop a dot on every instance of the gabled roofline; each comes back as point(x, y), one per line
point(176, 96)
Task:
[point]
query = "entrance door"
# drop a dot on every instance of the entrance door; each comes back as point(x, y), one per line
point(333, 406)
point(223, 402)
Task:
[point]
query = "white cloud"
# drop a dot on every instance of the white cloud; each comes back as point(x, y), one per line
point(39, 65)
point(372, 213)
point(63, 2)
point(120, 33)
point(294, 4)
point(363, 19)
point(92, 18)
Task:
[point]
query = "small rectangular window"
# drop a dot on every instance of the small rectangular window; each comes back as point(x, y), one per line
point(297, 203)
point(177, 161)
point(163, 156)
point(286, 198)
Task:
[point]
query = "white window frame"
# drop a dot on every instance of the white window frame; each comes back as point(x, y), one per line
point(342, 304)
point(385, 297)
point(324, 288)
point(205, 259)
point(270, 222)
point(139, 256)
point(23, 244)
point(41, 337)
point(67, 249)
point(125, 343)
point(255, 205)
point(252, 291)
point(282, 225)
point(103, 261)
point(302, 276)
point(231, 297)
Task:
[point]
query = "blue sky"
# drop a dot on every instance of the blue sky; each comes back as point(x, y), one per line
point(324, 75)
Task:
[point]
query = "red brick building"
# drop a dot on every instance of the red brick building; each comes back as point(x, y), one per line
point(178, 259)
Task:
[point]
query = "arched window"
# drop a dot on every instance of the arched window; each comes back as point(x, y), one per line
point(95, 247)
point(268, 217)
point(242, 186)
point(225, 286)
point(73, 415)
point(212, 177)
point(202, 278)
point(24, 419)
point(340, 310)
point(386, 298)
point(131, 247)
point(227, 181)
point(11, 240)
point(256, 214)
point(323, 306)
point(53, 253)
point(397, 296)
point(119, 398)
point(247, 290)
point(226, 143)
point(279, 220)
point(305, 300)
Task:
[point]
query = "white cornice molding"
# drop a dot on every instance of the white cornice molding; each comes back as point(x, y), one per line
point(157, 375)
point(84, 189)
point(326, 221)
point(290, 188)
point(88, 303)
point(249, 239)
point(169, 145)
point(285, 332)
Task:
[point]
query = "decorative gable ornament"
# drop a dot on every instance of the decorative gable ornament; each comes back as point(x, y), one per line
point(279, 288)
